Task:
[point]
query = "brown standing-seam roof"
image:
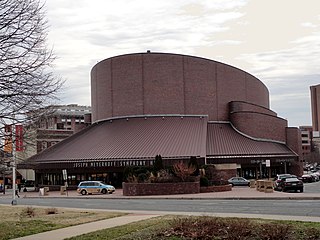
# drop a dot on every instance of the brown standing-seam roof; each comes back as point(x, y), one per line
point(132, 138)
point(224, 141)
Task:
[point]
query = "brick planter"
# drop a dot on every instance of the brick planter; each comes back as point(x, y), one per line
point(143, 189)
point(221, 188)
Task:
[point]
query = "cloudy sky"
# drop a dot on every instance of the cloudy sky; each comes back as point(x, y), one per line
point(278, 41)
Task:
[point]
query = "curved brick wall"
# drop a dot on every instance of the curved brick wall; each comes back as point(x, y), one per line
point(260, 125)
point(236, 106)
point(157, 83)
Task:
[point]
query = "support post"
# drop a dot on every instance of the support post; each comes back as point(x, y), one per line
point(14, 201)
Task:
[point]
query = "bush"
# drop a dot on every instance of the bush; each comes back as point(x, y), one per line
point(143, 177)
point(131, 174)
point(208, 228)
point(204, 182)
point(28, 212)
point(51, 211)
point(158, 164)
point(183, 171)
point(193, 163)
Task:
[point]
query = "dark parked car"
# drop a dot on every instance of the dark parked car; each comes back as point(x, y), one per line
point(239, 181)
point(292, 183)
point(279, 177)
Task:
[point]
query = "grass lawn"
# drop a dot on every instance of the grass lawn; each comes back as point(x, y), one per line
point(205, 228)
point(16, 221)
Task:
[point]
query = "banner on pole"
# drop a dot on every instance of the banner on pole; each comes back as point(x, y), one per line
point(19, 138)
point(7, 139)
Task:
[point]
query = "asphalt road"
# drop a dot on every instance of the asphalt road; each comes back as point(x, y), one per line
point(268, 207)
point(282, 207)
point(312, 187)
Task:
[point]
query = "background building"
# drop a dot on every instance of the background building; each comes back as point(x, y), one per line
point(306, 139)
point(61, 122)
point(64, 121)
point(315, 107)
point(177, 106)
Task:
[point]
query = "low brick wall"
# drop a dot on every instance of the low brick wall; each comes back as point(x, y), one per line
point(222, 188)
point(143, 189)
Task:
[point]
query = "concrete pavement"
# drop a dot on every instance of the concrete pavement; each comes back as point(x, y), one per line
point(236, 193)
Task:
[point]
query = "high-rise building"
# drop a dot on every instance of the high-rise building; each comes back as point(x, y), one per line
point(315, 106)
point(306, 137)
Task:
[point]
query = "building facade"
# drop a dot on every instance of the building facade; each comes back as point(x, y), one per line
point(177, 106)
point(315, 107)
point(306, 139)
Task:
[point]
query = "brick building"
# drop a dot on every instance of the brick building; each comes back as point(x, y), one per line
point(177, 106)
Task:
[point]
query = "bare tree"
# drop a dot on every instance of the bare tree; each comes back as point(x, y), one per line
point(27, 82)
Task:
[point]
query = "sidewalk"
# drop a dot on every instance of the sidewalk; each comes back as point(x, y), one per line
point(236, 193)
point(77, 230)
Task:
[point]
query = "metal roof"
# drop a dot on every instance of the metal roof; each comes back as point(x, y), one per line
point(172, 137)
point(132, 138)
point(224, 141)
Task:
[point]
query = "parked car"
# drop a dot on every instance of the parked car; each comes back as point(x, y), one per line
point(306, 178)
point(239, 181)
point(89, 187)
point(315, 177)
point(28, 186)
point(291, 183)
point(279, 177)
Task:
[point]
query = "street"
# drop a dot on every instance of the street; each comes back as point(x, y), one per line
point(269, 207)
point(274, 206)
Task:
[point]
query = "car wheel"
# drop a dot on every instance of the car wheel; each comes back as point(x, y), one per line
point(301, 190)
point(83, 192)
point(283, 190)
point(103, 191)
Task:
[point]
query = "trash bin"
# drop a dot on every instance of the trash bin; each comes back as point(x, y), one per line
point(63, 190)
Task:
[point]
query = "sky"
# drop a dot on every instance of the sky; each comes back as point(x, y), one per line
point(278, 41)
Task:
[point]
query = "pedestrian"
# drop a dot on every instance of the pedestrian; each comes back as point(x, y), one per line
point(19, 187)
point(17, 193)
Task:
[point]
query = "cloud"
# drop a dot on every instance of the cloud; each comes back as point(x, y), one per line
point(278, 44)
